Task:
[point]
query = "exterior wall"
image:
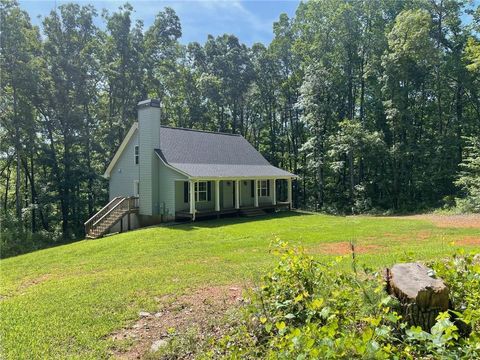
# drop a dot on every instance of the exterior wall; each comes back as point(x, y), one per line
point(199, 205)
point(207, 205)
point(226, 195)
point(267, 200)
point(149, 139)
point(246, 198)
point(180, 205)
point(125, 172)
point(168, 191)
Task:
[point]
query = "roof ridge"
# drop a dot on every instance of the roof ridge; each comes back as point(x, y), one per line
point(201, 131)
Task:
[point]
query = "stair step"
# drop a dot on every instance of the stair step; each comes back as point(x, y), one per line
point(110, 215)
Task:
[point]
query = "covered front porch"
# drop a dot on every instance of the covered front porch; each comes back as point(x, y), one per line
point(198, 198)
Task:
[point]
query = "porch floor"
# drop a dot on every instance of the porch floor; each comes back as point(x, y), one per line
point(185, 214)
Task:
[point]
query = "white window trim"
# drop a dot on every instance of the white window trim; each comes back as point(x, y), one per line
point(198, 191)
point(136, 188)
point(263, 185)
point(136, 155)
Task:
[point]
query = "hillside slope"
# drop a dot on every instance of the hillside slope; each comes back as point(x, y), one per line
point(66, 300)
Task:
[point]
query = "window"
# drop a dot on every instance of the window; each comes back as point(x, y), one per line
point(136, 187)
point(136, 156)
point(264, 188)
point(201, 191)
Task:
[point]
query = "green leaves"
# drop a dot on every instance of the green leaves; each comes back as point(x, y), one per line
point(469, 177)
point(333, 319)
point(410, 36)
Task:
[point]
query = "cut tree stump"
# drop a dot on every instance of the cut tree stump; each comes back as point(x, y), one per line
point(422, 297)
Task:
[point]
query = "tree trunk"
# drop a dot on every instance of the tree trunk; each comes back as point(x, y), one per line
point(18, 208)
point(422, 297)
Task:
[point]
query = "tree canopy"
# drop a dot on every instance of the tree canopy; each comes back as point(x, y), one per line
point(375, 104)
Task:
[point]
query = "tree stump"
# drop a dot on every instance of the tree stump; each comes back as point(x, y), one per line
point(422, 297)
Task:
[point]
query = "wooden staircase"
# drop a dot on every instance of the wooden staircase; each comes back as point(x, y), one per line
point(252, 212)
point(100, 223)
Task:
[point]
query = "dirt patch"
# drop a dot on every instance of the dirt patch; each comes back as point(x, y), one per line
point(468, 241)
point(32, 282)
point(447, 221)
point(343, 248)
point(203, 308)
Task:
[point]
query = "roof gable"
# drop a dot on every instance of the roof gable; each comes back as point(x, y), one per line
point(120, 150)
point(202, 147)
point(207, 154)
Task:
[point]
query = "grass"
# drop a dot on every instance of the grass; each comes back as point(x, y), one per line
point(65, 301)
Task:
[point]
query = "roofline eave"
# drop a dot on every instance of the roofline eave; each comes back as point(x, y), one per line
point(170, 166)
point(120, 150)
point(230, 178)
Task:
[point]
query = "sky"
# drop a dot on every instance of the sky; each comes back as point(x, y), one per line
point(250, 20)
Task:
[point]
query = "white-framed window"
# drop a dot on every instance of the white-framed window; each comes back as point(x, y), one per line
point(136, 155)
point(136, 187)
point(201, 191)
point(263, 188)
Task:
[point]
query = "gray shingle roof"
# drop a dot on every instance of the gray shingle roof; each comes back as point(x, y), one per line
point(209, 154)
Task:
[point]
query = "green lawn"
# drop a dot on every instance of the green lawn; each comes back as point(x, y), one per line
point(65, 301)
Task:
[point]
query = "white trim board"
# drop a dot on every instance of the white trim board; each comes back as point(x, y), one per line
point(120, 150)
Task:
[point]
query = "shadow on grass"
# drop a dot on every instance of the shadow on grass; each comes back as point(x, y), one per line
point(233, 220)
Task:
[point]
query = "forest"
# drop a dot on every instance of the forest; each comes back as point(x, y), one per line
point(375, 104)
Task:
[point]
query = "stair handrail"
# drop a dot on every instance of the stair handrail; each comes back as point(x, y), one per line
point(110, 211)
point(101, 210)
point(88, 224)
point(119, 201)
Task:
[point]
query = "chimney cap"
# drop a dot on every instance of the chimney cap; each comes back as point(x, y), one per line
point(148, 103)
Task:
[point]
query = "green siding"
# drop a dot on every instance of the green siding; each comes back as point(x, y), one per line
point(246, 198)
point(266, 200)
point(179, 203)
point(168, 189)
point(125, 172)
point(226, 194)
point(207, 205)
point(199, 205)
point(149, 139)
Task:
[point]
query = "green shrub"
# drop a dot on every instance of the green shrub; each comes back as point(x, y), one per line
point(307, 309)
point(16, 238)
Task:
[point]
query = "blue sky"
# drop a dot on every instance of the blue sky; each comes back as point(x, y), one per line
point(250, 20)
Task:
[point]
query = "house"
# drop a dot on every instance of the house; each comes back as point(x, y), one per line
point(161, 173)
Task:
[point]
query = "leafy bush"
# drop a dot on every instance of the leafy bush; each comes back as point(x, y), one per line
point(307, 309)
point(16, 239)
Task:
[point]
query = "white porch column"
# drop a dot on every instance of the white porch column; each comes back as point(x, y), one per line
point(255, 189)
point(237, 194)
point(217, 195)
point(289, 199)
point(192, 199)
point(274, 189)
